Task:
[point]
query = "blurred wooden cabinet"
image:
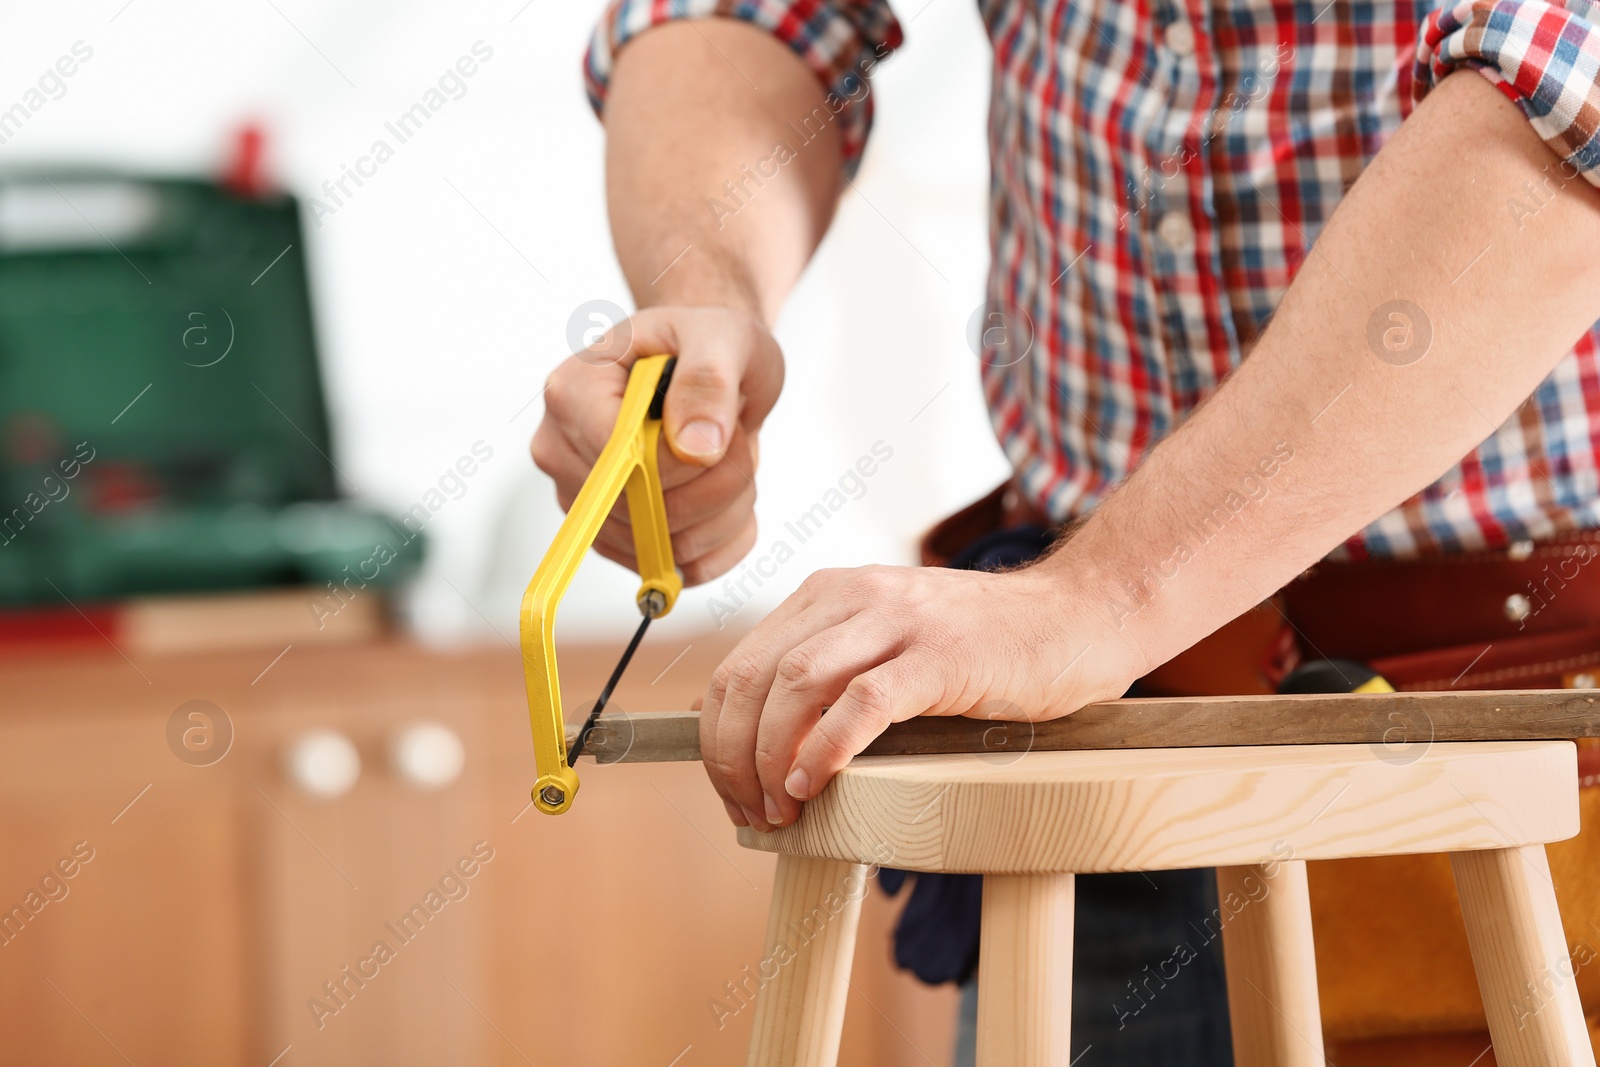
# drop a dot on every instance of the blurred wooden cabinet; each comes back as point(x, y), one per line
point(231, 915)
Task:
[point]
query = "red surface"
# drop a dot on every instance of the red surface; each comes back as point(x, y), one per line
point(25, 630)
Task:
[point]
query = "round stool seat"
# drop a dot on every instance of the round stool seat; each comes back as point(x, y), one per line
point(1031, 823)
point(1160, 809)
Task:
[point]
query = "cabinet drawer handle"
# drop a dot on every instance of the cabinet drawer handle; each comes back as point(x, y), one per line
point(428, 755)
point(323, 763)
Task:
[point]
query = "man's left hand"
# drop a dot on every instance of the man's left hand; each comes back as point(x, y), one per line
point(877, 645)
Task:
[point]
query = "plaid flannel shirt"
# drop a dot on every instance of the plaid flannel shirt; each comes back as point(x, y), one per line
point(1160, 169)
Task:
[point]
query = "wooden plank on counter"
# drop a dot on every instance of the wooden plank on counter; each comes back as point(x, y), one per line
point(1395, 722)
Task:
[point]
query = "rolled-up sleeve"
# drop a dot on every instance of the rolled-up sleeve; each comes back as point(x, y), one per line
point(1544, 56)
point(840, 40)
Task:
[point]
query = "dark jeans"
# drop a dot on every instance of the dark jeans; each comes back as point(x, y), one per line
point(1147, 979)
point(1138, 1000)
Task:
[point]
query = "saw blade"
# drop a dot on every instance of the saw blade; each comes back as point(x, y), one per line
point(605, 694)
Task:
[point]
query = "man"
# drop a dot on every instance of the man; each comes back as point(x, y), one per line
point(1165, 178)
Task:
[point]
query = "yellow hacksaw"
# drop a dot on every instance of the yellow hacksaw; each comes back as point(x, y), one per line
point(627, 463)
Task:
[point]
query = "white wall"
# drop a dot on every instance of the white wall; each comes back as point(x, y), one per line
point(436, 330)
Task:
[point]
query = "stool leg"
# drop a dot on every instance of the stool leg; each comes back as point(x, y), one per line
point(1271, 966)
point(811, 937)
point(1520, 954)
point(1025, 971)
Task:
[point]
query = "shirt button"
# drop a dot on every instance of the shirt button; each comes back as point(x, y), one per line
point(1176, 231)
point(1179, 38)
point(1517, 607)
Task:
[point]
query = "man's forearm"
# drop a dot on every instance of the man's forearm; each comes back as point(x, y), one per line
point(1333, 419)
point(696, 110)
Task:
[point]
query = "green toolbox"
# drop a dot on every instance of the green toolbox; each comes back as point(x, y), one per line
point(162, 421)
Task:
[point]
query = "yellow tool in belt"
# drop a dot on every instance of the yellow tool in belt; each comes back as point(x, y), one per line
point(627, 462)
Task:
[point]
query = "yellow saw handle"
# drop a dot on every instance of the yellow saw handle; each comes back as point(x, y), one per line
point(627, 462)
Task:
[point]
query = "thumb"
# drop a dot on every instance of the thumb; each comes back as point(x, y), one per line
point(702, 406)
point(706, 395)
point(729, 371)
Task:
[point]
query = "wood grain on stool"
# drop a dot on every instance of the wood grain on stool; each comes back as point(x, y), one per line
point(1271, 966)
point(1025, 971)
point(1520, 955)
point(811, 937)
point(1169, 809)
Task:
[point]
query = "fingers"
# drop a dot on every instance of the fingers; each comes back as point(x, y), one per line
point(623, 557)
point(712, 486)
point(697, 492)
point(809, 677)
point(892, 692)
point(734, 813)
point(615, 541)
point(701, 552)
point(733, 703)
point(581, 404)
point(693, 546)
point(708, 748)
point(720, 561)
point(554, 454)
point(691, 494)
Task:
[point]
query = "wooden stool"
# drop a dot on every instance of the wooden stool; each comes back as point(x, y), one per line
point(1029, 823)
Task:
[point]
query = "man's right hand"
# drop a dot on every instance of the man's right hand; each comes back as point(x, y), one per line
point(682, 122)
point(728, 375)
